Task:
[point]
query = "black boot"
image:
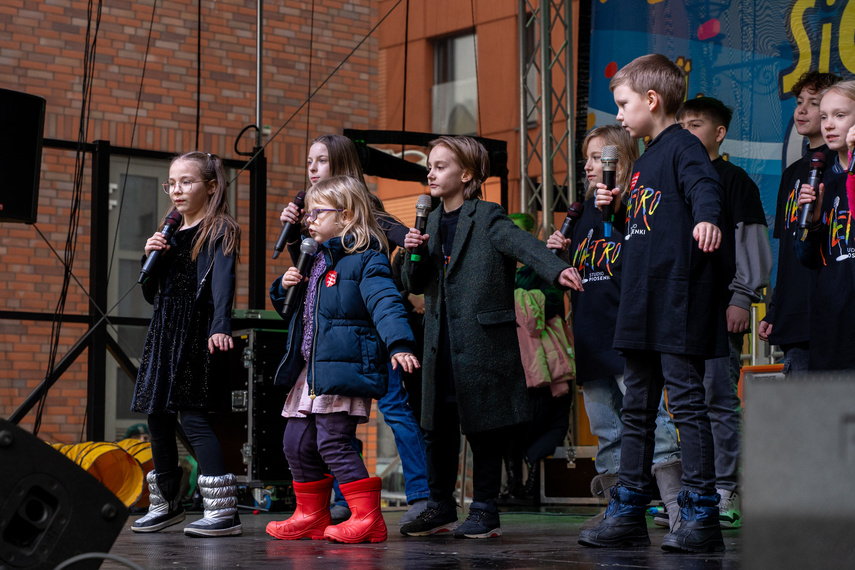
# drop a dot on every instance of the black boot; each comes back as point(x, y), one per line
point(530, 493)
point(624, 524)
point(513, 476)
point(699, 529)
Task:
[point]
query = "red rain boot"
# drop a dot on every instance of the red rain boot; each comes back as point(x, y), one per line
point(312, 515)
point(366, 523)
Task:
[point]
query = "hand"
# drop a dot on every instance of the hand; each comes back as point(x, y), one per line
point(292, 277)
point(764, 330)
point(570, 278)
point(155, 243)
point(557, 241)
point(291, 214)
point(219, 340)
point(407, 361)
point(604, 196)
point(708, 236)
point(807, 195)
point(418, 303)
point(414, 239)
point(738, 319)
point(850, 139)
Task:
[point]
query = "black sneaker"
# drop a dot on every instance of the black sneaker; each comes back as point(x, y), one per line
point(436, 518)
point(482, 522)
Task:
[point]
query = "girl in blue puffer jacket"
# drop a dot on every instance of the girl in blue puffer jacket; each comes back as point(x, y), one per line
point(340, 339)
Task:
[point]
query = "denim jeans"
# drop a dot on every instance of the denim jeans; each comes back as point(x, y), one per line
point(408, 439)
point(603, 403)
point(646, 373)
point(721, 381)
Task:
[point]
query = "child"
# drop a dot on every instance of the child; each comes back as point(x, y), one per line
point(787, 320)
point(599, 367)
point(335, 155)
point(192, 288)
point(665, 327)
point(472, 381)
point(339, 343)
point(830, 245)
point(747, 265)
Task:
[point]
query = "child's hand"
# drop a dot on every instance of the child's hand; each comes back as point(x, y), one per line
point(808, 195)
point(407, 360)
point(418, 303)
point(764, 330)
point(219, 340)
point(570, 278)
point(604, 196)
point(738, 319)
point(708, 236)
point(557, 241)
point(155, 243)
point(291, 214)
point(292, 277)
point(414, 239)
point(850, 139)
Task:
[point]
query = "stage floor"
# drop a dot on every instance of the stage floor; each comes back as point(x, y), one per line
point(544, 539)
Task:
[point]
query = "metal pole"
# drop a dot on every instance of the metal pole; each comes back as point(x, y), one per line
point(259, 56)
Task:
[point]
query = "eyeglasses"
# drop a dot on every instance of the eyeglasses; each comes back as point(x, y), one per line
point(312, 215)
point(185, 185)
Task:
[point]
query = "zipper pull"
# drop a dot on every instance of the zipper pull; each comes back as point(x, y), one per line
point(312, 394)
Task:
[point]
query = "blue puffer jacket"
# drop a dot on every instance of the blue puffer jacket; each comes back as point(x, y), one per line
point(359, 322)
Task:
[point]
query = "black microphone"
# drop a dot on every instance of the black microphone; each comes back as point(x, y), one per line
point(172, 223)
point(422, 210)
point(573, 214)
point(817, 166)
point(609, 158)
point(308, 248)
point(288, 229)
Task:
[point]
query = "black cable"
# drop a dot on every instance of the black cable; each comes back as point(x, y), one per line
point(318, 88)
point(406, 51)
point(199, 69)
point(309, 82)
point(477, 86)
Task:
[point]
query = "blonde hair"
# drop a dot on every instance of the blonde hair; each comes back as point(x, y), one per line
point(653, 72)
point(218, 218)
point(357, 218)
point(615, 135)
point(471, 157)
point(845, 88)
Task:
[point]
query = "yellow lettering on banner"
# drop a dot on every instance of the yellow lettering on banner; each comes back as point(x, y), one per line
point(846, 37)
point(800, 35)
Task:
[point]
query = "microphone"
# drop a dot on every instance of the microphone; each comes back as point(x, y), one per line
point(422, 210)
point(172, 223)
point(308, 248)
point(817, 166)
point(573, 214)
point(609, 158)
point(289, 228)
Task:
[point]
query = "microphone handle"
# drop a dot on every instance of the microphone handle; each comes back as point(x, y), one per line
point(566, 231)
point(806, 215)
point(421, 251)
point(291, 295)
point(152, 258)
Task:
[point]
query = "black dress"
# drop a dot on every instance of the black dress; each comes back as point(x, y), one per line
point(175, 369)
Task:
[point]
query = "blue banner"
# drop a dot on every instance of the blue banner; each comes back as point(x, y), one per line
point(746, 53)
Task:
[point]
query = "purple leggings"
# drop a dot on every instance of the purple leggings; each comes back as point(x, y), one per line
point(323, 438)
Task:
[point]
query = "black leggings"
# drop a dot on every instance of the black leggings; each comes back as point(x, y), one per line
point(196, 424)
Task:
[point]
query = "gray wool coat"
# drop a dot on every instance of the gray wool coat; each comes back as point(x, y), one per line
point(478, 295)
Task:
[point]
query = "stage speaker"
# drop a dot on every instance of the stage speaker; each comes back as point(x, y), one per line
point(799, 471)
point(22, 122)
point(50, 509)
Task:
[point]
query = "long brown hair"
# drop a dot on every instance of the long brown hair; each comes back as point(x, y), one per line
point(218, 218)
point(615, 135)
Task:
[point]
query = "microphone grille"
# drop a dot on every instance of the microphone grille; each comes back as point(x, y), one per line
point(609, 154)
point(309, 246)
point(174, 217)
point(817, 160)
point(300, 199)
point(424, 202)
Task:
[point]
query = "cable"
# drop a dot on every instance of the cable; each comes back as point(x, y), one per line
point(406, 51)
point(318, 88)
point(309, 82)
point(199, 69)
point(477, 86)
point(99, 556)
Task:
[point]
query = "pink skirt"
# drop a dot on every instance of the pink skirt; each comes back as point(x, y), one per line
point(300, 405)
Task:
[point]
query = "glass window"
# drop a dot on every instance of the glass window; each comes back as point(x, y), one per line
point(455, 86)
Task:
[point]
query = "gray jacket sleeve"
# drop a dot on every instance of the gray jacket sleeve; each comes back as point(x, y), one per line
point(753, 264)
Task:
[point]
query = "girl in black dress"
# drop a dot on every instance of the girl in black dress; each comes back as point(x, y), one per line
point(192, 288)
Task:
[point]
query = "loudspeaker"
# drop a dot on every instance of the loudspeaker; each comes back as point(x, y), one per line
point(50, 508)
point(798, 497)
point(22, 122)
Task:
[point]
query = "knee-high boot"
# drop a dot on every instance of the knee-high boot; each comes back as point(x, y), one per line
point(366, 524)
point(312, 515)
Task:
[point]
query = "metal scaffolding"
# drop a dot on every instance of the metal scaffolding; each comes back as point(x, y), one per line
point(546, 109)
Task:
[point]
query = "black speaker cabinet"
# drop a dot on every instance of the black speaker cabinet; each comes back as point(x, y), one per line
point(22, 121)
point(50, 508)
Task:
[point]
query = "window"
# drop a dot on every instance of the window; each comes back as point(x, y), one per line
point(455, 86)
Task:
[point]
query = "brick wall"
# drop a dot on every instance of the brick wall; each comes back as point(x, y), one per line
point(41, 53)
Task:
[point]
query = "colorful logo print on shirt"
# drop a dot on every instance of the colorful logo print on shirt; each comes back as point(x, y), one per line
point(839, 221)
point(594, 258)
point(640, 208)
